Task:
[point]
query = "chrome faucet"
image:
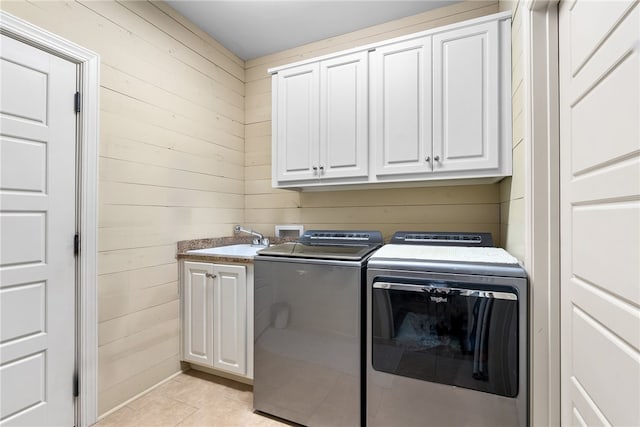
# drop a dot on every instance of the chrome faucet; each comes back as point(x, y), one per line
point(259, 240)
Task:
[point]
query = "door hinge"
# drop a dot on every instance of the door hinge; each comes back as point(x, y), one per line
point(76, 385)
point(76, 244)
point(76, 101)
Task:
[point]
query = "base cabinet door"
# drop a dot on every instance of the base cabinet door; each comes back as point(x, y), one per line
point(230, 319)
point(197, 325)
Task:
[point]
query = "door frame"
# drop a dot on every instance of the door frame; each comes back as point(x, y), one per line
point(87, 136)
point(542, 204)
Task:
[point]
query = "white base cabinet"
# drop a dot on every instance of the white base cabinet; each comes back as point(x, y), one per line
point(217, 313)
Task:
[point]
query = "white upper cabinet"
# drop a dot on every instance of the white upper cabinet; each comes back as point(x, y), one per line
point(466, 94)
point(320, 120)
point(436, 105)
point(401, 107)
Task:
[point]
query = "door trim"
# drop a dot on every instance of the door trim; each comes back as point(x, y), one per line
point(542, 203)
point(87, 177)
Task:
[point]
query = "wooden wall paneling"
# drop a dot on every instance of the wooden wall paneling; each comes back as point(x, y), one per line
point(133, 258)
point(135, 87)
point(186, 34)
point(512, 188)
point(136, 300)
point(118, 193)
point(123, 148)
point(123, 237)
point(258, 107)
point(148, 373)
point(405, 215)
point(285, 199)
point(258, 172)
point(137, 279)
point(228, 133)
point(140, 216)
point(403, 196)
point(260, 186)
point(125, 17)
point(129, 324)
point(127, 171)
point(127, 356)
point(118, 125)
point(272, 216)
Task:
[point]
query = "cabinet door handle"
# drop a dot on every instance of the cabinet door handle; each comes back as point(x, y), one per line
point(315, 170)
point(210, 276)
point(428, 159)
point(321, 170)
point(436, 158)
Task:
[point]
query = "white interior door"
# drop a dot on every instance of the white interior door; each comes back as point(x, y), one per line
point(600, 212)
point(37, 224)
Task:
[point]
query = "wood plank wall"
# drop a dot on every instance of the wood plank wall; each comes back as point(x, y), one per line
point(171, 168)
point(512, 216)
point(463, 208)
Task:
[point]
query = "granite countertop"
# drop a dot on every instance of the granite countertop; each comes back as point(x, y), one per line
point(187, 245)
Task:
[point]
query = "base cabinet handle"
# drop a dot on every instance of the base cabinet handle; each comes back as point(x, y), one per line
point(210, 276)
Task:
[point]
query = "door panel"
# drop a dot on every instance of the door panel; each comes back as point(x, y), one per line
point(297, 134)
point(38, 222)
point(600, 212)
point(230, 314)
point(465, 98)
point(343, 116)
point(198, 309)
point(401, 107)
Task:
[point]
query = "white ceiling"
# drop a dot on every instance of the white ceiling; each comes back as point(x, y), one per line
point(251, 29)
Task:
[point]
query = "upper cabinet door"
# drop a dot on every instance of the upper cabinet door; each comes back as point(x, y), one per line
point(466, 95)
point(401, 107)
point(296, 111)
point(343, 116)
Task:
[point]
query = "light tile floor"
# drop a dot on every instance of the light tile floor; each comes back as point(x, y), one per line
point(192, 398)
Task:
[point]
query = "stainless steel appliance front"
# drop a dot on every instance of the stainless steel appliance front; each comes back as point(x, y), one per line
point(307, 364)
point(445, 348)
point(308, 327)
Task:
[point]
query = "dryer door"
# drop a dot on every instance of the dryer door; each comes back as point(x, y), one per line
point(446, 332)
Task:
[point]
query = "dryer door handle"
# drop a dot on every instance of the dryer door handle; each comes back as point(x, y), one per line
point(445, 290)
